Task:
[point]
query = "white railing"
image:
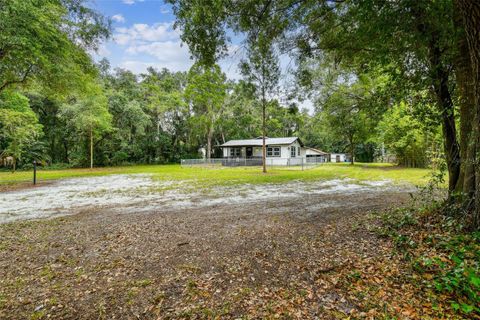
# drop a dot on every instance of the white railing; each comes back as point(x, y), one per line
point(245, 162)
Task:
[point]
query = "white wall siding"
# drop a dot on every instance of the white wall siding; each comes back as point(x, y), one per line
point(341, 156)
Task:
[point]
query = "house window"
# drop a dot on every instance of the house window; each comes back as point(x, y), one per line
point(298, 151)
point(293, 151)
point(273, 151)
point(234, 152)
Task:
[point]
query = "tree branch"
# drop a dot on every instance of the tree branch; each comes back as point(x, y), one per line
point(22, 80)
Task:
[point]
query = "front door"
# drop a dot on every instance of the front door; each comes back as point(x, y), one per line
point(249, 152)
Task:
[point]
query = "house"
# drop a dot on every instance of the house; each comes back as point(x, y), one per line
point(280, 151)
point(339, 157)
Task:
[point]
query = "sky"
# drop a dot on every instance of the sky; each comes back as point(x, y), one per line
point(143, 36)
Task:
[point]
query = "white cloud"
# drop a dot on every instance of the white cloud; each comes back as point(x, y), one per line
point(157, 43)
point(168, 54)
point(118, 18)
point(129, 2)
point(164, 10)
point(141, 32)
point(159, 46)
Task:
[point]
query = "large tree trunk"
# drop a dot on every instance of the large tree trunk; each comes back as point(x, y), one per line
point(464, 79)
point(440, 77)
point(470, 11)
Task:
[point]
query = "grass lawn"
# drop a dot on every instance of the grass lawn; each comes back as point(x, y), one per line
point(206, 177)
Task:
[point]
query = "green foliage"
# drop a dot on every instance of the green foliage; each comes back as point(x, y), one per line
point(457, 273)
point(446, 257)
point(88, 116)
point(202, 26)
point(19, 126)
point(47, 41)
point(404, 136)
point(89, 113)
point(206, 92)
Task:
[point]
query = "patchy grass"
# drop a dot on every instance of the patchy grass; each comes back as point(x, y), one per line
point(206, 177)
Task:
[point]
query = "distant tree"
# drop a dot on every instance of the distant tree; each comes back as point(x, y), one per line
point(206, 91)
point(19, 127)
point(406, 137)
point(241, 115)
point(88, 115)
point(261, 68)
point(163, 93)
point(347, 119)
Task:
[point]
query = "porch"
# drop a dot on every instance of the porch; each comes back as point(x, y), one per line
point(247, 152)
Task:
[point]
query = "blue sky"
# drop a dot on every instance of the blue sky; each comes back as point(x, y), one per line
point(143, 36)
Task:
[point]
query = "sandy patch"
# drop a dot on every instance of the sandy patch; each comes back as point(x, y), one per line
point(142, 193)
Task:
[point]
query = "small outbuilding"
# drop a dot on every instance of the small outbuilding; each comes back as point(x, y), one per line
point(339, 157)
point(315, 155)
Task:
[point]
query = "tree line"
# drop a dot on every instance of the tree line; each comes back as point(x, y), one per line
point(61, 108)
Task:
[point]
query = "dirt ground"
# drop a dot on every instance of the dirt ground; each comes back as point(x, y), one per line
point(289, 258)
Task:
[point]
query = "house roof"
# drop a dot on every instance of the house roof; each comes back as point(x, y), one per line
point(317, 151)
point(259, 141)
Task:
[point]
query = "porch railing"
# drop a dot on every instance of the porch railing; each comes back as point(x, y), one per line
point(303, 163)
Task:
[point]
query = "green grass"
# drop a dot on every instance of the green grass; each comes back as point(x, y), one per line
point(207, 177)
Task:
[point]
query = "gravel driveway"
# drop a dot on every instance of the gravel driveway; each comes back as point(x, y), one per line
point(128, 247)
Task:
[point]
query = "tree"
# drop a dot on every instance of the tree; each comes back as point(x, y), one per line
point(47, 41)
point(163, 93)
point(88, 115)
point(261, 68)
point(406, 137)
point(206, 91)
point(241, 115)
point(19, 125)
point(129, 117)
point(346, 118)
point(470, 16)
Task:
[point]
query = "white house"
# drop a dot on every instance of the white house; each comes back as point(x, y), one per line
point(280, 151)
point(339, 157)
